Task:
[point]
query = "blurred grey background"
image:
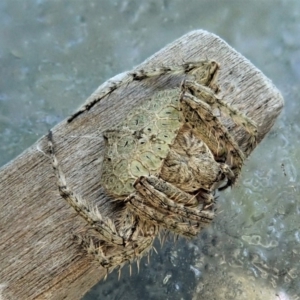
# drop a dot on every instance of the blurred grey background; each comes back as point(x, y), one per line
point(54, 54)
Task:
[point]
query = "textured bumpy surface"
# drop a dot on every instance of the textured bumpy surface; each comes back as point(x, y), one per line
point(132, 150)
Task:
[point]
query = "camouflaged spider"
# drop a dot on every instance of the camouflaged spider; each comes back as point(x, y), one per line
point(163, 162)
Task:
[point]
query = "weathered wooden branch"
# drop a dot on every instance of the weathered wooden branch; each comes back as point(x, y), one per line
point(39, 258)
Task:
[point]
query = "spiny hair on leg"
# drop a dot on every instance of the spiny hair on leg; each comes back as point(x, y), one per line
point(209, 67)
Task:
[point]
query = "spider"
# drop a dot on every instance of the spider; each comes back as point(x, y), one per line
point(163, 164)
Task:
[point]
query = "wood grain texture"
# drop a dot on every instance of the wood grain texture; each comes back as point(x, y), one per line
point(39, 259)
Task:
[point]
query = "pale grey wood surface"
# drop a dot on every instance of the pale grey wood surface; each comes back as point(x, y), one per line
point(39, 258)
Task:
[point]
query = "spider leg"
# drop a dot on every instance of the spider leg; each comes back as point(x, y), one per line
point(162, 203)
point(205, 121)
point(104, 226)
point(205, 72)
point(114, 256)
point(206, 94)
point(127, 247)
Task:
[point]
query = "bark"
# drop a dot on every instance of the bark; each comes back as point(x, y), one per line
point(39, 258)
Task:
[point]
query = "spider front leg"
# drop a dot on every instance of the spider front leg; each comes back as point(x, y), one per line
point(204, 71)
point(130, 241)
point(164, 204)
point(105, 227)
